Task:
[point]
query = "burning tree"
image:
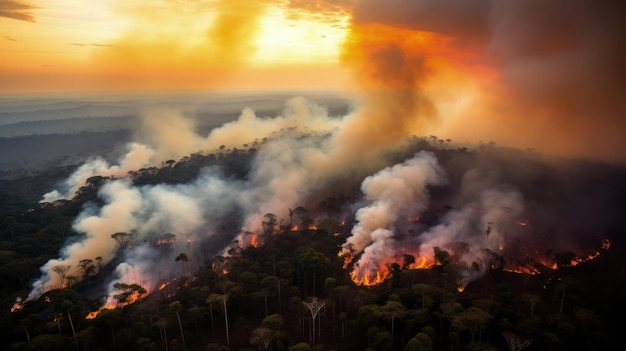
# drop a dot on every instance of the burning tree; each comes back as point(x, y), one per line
point(122, 238)
point(269, 223)
point(87, 268)
point(130, 293)
point(61, 270)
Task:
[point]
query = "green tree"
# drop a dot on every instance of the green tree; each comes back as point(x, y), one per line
point(310, 262)
point(420, 342)
point(110, 318)
point(474, 320)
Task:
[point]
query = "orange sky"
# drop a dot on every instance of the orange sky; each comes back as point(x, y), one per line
point(525, 73)
point(110, 45)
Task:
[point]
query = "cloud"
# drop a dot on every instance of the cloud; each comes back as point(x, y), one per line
point(17, 9)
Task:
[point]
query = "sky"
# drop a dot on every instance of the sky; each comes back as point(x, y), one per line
point(165, 44)
point(546, 75)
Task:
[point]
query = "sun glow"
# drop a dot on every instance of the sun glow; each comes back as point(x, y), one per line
point(155, 44)
point(282, 39)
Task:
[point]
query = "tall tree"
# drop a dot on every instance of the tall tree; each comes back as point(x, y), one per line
point(269, 223)
point(176, 307)
point(314, 305)
point(122, 239)
point(61, 270)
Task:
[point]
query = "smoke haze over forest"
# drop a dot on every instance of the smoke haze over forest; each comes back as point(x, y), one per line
point(487, 135)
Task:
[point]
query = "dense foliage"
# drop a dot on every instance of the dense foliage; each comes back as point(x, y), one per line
point(291, 292)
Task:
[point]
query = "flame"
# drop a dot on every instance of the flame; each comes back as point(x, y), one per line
point(164, 285)
point(224, 271)
point(94, 314)
point(606, 244)
point(164, 241)
point(312, 227)
point(501, 247)
point(368, 279)
point(423, 264)
point(414, 219)
point(17, 305)
point(522, 270)
point(254, 240)
point(131, 300)
point(523, 223)
point(460, 288)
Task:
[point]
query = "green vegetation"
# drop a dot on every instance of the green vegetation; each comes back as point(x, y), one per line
point(292, 292)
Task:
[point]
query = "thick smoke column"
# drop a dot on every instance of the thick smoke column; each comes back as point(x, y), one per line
point(396, 192)
point(529, 73)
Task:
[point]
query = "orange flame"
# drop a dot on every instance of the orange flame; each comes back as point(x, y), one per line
point(423, 264)
point(368, 279)
point(254, 240)
point(18, 305)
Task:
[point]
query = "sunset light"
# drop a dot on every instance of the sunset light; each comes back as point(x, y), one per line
point(312, 174)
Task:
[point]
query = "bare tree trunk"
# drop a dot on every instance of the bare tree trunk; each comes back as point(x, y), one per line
point(279, 297)
point(180, 325)
point(212, 323)
point(59, 324)
point(226, 319)
point(113, 336)
point(73, 330)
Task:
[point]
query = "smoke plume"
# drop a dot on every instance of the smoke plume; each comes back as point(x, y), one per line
point(395, 192)
point(531, 74)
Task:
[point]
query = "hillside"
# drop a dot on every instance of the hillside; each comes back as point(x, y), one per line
point(237, 290)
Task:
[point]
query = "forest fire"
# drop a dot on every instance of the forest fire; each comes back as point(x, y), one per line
point(128, 295)
point(423, 264)
point(17, 305)
point(369, 279)
point(254, 240)
point(533, 265)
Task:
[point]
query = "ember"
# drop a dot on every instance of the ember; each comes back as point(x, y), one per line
point(17, 305)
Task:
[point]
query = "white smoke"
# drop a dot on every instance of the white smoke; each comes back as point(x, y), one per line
point(138, 156)
point(396, 192)
point(283, 174)
point(482, 223)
